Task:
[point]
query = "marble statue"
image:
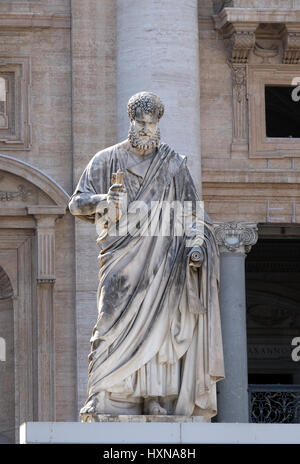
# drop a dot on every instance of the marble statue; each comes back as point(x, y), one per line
point(156, 348)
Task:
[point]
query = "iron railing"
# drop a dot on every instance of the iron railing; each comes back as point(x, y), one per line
point(274, 403)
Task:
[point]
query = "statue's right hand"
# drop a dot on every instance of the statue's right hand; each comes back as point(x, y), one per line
point(116, 195)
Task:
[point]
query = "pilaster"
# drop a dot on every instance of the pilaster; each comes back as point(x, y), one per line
point(241, 43)
point(45, 256)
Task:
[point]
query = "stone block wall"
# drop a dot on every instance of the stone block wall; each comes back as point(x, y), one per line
point(72, 51)
point(240, 184)
point(40, 32)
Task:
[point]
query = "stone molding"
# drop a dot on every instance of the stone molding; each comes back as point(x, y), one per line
point(36, 177)
point(236, 237)
point(46, 210)
point(259, 144)
point(17, 72)
point(272, 176)
point(245, 18)
point(34, 20)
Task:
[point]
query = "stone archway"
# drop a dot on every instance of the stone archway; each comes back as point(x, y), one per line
point(31, 202)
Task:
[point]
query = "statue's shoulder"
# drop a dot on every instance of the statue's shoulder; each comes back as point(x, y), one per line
point(105, 156)
point(176, 158)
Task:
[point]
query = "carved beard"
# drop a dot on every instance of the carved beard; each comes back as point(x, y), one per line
point(142, 143)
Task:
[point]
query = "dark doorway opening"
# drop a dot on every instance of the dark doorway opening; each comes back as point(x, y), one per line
point(270, 379)
point(273, 321)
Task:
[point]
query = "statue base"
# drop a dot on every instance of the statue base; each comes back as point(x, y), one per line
point(140, 418)
point(185, 431)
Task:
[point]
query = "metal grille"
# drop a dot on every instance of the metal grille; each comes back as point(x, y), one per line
point(274, 404)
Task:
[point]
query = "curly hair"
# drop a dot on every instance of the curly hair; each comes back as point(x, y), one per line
point(148, 102)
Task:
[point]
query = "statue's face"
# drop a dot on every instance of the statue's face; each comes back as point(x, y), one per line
point(145, 124)
point(144, 132)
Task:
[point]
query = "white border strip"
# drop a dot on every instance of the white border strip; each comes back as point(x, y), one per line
point(158, 432)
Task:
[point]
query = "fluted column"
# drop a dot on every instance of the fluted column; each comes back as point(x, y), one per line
point(158, 51)
point(45, 253)
point(234, 240)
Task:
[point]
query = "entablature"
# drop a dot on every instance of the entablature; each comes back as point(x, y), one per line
point(231, 20)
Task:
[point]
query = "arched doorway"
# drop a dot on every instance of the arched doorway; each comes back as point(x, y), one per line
point(31, 202)
point(7, 361)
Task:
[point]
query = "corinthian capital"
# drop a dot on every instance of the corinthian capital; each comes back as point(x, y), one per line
point(236, 236)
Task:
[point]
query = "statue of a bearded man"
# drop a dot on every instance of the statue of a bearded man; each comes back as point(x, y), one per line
point(156, 347)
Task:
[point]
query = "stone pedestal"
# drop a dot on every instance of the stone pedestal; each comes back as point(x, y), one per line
point(140, 418)
point(235, 240)
point(157, 432)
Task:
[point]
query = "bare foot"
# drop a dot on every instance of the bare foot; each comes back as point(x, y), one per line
point(90, 407)
point(155, 409)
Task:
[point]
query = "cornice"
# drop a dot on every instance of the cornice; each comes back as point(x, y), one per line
point(248, 19)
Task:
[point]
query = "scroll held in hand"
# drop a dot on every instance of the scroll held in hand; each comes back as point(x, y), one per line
point(196, 256)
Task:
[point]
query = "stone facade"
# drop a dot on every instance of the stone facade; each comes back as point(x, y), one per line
point(68, 66)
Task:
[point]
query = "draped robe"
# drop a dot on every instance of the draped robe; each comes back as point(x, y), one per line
point(158, 330)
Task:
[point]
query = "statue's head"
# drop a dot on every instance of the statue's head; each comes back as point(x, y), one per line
point(144, 110)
